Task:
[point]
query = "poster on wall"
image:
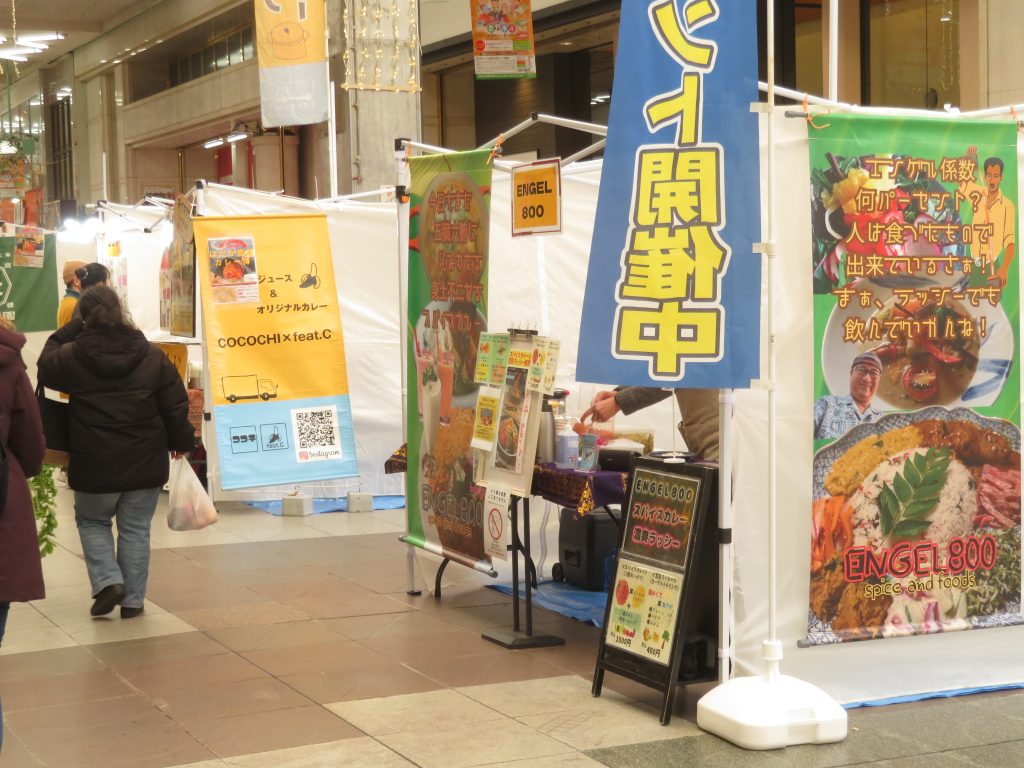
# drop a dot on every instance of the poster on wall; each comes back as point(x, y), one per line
point(28, 281)
point(278, 380)
point(448, 243)
point(291, 49)
point(503, 45)
point(916, 486)
point(673, 288)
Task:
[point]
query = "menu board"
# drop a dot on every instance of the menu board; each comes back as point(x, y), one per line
point(654, 610)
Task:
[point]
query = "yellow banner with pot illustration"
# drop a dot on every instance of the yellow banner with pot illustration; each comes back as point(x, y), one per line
point(292, 51)
point(277, 372)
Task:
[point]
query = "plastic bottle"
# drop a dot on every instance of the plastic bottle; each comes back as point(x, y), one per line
point(567, 447)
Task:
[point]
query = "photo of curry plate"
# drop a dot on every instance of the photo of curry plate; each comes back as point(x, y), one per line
point(948, 353)
point(916, 527)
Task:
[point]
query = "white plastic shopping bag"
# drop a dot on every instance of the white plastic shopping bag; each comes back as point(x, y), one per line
point(190, 506)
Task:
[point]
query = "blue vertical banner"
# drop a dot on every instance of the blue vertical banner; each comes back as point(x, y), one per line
point(673, 287)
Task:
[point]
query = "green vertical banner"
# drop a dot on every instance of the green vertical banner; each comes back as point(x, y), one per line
point(448, 242)
point(28, 280)
point(916, 511)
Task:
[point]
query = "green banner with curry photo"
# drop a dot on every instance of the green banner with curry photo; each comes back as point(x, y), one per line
point(447, 310)
point(916, 479)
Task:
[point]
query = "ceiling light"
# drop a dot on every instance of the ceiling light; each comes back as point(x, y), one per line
point(946, 16)
point(42, 36)
point(233, 137)
point(31, 43)
point(213, 143)
point(16, 51)
point(11, 57)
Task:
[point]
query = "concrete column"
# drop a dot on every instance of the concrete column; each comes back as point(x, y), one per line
point(369, 120)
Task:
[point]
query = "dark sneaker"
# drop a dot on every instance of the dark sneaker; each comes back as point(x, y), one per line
point(130, 613)
point(107, 599)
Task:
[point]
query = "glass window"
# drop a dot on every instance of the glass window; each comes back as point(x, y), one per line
point(247, 47)
point(235, 48)
point(174, 69)
point(221, 49)
point(209, 60)
point(925, 74)
point(807, 17)
point(197, 65)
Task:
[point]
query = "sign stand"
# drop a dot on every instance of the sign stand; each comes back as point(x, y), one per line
point(514, 639)
point(661, 611)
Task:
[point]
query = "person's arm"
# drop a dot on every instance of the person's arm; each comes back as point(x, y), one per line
point(1009, 243)
point(26, 440)
point(631, 399)
point(172, 404)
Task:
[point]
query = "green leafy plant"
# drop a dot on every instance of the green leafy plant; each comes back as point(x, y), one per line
point(44, 504)
point(905, 506)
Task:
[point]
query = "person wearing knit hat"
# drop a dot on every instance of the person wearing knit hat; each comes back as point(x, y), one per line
point(834, 415)
point(73, 291)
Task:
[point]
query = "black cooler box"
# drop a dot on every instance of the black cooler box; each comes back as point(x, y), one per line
point(586, 547)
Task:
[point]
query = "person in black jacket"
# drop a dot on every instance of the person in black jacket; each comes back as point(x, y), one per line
point(127, 408)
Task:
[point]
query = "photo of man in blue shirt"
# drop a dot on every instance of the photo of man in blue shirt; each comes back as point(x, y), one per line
point(834, 415)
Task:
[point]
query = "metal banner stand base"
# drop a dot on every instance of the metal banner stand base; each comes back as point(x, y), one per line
point(513, 639)
point(509, 638)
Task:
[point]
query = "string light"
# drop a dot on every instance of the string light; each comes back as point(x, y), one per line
point(347, 36)
point(368, 25)
point(394, 43)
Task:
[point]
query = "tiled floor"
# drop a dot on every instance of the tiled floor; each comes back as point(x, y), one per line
point(290, 643)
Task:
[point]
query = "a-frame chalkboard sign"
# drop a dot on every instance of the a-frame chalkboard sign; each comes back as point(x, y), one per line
point(657, 603)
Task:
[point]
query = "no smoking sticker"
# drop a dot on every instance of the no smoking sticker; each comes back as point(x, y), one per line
point(496, 505)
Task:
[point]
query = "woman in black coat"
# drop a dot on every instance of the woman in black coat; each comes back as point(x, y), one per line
point(127, 408)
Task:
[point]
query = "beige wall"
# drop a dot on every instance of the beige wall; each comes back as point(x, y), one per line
point(221, 95)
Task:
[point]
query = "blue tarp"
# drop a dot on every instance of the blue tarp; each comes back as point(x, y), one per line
point(564, 598)
point(322, 506)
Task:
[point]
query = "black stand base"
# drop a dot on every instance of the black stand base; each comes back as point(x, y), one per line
point(508, 638)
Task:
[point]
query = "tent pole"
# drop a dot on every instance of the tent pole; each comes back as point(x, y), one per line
point(402, 211)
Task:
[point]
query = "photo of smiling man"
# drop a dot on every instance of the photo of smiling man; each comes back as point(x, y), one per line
point(834, 415)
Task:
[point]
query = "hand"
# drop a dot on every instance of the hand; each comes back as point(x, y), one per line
point(178, 454)
point(972, 154)
point(602, 407)
point(1000, 277)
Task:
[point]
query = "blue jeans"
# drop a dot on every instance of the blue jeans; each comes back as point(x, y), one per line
point(94, 515)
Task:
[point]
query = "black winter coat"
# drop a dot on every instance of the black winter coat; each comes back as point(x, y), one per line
point(21, 572)
point(128, 407)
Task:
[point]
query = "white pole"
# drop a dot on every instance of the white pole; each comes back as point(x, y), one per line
point(332, 125)
point(725, 518)
point(833, 50)
point(771, 710)
point(772, 648)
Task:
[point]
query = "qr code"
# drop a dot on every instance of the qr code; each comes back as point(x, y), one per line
point(316, 433)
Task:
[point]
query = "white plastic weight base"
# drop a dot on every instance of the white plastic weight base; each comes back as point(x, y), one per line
point(771, 711)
